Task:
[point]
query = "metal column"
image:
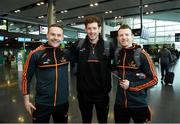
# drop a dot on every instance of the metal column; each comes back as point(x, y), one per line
point(51, 12)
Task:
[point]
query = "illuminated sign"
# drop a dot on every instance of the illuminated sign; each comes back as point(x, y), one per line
point(23, 39)
point(43, 29)
point(1, 38)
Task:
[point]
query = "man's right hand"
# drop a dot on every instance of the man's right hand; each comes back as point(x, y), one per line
point(28, 105)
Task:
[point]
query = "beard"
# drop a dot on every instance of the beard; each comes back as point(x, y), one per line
point(94, 40)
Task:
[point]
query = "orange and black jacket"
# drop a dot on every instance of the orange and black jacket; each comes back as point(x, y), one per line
point(50, 66)
point(136, 95)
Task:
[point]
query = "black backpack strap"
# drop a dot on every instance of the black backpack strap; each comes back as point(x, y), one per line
point(116, 55)
point(80, 43)
point(137, 55)
point(107, 48)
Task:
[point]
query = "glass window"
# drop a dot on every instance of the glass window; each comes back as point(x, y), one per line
point(160, 33)
point(17, 27)
point(170, 28)
point(177, 27)
point(158, 29)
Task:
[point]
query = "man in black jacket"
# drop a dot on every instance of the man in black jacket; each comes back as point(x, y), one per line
point(137, 74)
point(50, 65)
point(93, 72)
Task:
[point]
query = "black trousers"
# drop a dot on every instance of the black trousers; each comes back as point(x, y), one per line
point(59, 113)
point(164, 69)
point(139, 115)
point(86, 108)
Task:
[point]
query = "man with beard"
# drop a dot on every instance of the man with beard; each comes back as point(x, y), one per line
point(93, 72)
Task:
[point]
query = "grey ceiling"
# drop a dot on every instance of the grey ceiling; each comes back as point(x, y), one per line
point(163, 9)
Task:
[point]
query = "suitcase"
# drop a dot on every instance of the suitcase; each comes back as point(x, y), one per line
point(169, 77)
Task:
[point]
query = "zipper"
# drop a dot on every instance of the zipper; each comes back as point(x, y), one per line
point(55, 88)
point(93, 48)
point(125, 93)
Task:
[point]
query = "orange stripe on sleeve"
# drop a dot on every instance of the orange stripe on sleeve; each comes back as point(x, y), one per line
point(152, 69)
point(24, 75)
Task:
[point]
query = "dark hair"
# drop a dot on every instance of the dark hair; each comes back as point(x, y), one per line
point(124, 26)
point(54, 25)
point(91, 19)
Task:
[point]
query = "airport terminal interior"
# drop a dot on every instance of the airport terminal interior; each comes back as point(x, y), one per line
point(23, 27)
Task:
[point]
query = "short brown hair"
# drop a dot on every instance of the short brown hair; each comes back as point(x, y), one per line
point(124, 26)
point(91, 19)
point(54, 25)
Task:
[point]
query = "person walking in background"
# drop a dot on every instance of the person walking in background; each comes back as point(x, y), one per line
point(165, 60)
point(93, 72)
point(137, 74)
point(50, 65)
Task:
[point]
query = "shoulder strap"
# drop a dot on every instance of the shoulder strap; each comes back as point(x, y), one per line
point(137, 55)
point(107, 48)
point(116, 55)
point(80, 43)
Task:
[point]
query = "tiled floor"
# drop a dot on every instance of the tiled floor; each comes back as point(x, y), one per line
point(164, 99)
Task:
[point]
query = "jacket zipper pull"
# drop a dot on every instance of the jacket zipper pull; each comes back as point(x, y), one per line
point(93, 50)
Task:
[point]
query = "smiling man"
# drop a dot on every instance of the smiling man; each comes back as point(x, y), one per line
point(137, 74)
point(50, 65)
point(93, 72)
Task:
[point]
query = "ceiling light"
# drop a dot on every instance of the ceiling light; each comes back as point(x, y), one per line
point(59, 20)
point(40, 17)
point(147, 13)
point(117, 17)
point(108, 12)
point(42, 3)
point(145, 5)
point(96, 4)
point(16, 11)
point(64, 11)
point(38, 4)
point(80, 17)
point(91, 5)
point(151, 12)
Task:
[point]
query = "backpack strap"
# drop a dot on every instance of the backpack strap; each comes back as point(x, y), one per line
point(137, 55)
point(116, 55)
point(80, 43)
point(107, 48)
